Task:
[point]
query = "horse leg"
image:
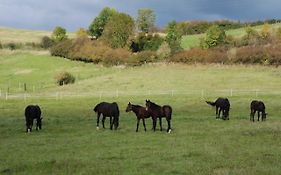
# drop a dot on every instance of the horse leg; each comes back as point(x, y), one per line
point(258, 116)
point(98, 120)
point(154, 123)
point(169, 125)
point(217, 112)
point(37, 125)
point(143, 122)
point(103, 120)
point(160, 123)
point(110, 121)
point(111, 125)
point(138, 122)
point(254, 113)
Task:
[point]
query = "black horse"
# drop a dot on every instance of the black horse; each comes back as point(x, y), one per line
point(257, 106)
point(221, 104)
point(156, 111)
point(33, 112)
point(110, 110)
point(141, 113)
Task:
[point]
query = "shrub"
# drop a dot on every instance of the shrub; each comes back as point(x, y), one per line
point(198, 55)
point(113, 57)
point(64, 78)
point(164, 51)
point(1, 47)
point(146, 42)
point(142, 58)
point(46, 42)
point(62, 48)
point(214, 37)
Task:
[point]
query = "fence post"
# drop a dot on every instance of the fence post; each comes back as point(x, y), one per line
point(0, 92)
point(231, 92)
point(57, 95)
point(172, 93)
point(117, 93)
point(7, 95)
point(202, 94)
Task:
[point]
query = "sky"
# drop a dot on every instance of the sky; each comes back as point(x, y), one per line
point(73, 14)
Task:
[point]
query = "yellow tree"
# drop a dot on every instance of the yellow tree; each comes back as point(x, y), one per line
point(265, 31)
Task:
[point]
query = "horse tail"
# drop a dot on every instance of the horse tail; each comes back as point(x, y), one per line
point(211, 103)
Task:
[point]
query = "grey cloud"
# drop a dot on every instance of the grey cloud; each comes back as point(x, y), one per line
point(72, 14)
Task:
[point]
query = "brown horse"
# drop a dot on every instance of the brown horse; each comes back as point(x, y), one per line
point(141, 113)
point(257, 106)
point(110, 110)
point(157, 111)
point(222, 105)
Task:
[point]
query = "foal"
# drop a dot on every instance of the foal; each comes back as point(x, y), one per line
point(257, 106)
point(141, 113)
point(221, 104)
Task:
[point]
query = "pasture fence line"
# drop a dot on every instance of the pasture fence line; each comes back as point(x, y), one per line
point(203, 93)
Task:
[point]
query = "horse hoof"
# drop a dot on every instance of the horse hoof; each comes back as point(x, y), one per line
point(98, 128)
point(169, 131)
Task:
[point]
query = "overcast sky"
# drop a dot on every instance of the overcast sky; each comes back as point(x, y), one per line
point(73, 14)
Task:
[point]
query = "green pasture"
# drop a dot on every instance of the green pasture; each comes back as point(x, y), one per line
point(8, 35)
point(192, 41)
point(198, 144)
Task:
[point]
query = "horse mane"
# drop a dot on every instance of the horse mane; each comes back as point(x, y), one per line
point(154, 104)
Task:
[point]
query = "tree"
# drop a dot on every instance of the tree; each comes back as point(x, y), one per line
point(145, 20)
point(118, 30)
point(81, 33)
point(214, 36)
point(46, 42)
point(265, 31)
point(97, 26)
point(173, 37)
point(250, 32)
point(59, 34)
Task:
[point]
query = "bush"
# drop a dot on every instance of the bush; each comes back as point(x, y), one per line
point(146, 42)
point(64, 78)
point(164, 51)
point(1, 47)
point(46, 42)
point(198, 55)
point(142, 58)
point(62, 48)
point(113, 57)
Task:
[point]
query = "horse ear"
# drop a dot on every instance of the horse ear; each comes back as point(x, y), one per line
point(129, 103)
point(41, 118)
point(146, 100)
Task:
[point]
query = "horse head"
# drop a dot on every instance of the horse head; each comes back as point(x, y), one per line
point(129, 107)
point(147, 104)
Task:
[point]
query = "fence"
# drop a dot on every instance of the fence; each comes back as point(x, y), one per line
point(117, 93)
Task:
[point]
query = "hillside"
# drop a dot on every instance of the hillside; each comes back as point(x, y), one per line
point(191, 41)
point(24, 35)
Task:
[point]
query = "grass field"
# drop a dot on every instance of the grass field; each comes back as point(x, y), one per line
point(199, 144)
point(8, 35)
point(191, 41)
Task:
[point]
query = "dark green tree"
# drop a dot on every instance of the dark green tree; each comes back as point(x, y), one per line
point(173, 37)
point(59, 34)
point(118, 30)
point(97, 26)
point(145, 20)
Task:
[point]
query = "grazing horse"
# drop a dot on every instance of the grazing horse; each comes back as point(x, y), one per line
point(33, 112)
point(156, 111)
point(110, 110)
point(257, 106)
point(141, 113)
point(221, 104)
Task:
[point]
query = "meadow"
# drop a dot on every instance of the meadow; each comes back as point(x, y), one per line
point(198, 144)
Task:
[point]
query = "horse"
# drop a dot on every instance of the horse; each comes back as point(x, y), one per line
point(156, 111)
point(221, 104)
point(110, 110)
point(257, 106)
point(33, 112)
point(140, 112)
